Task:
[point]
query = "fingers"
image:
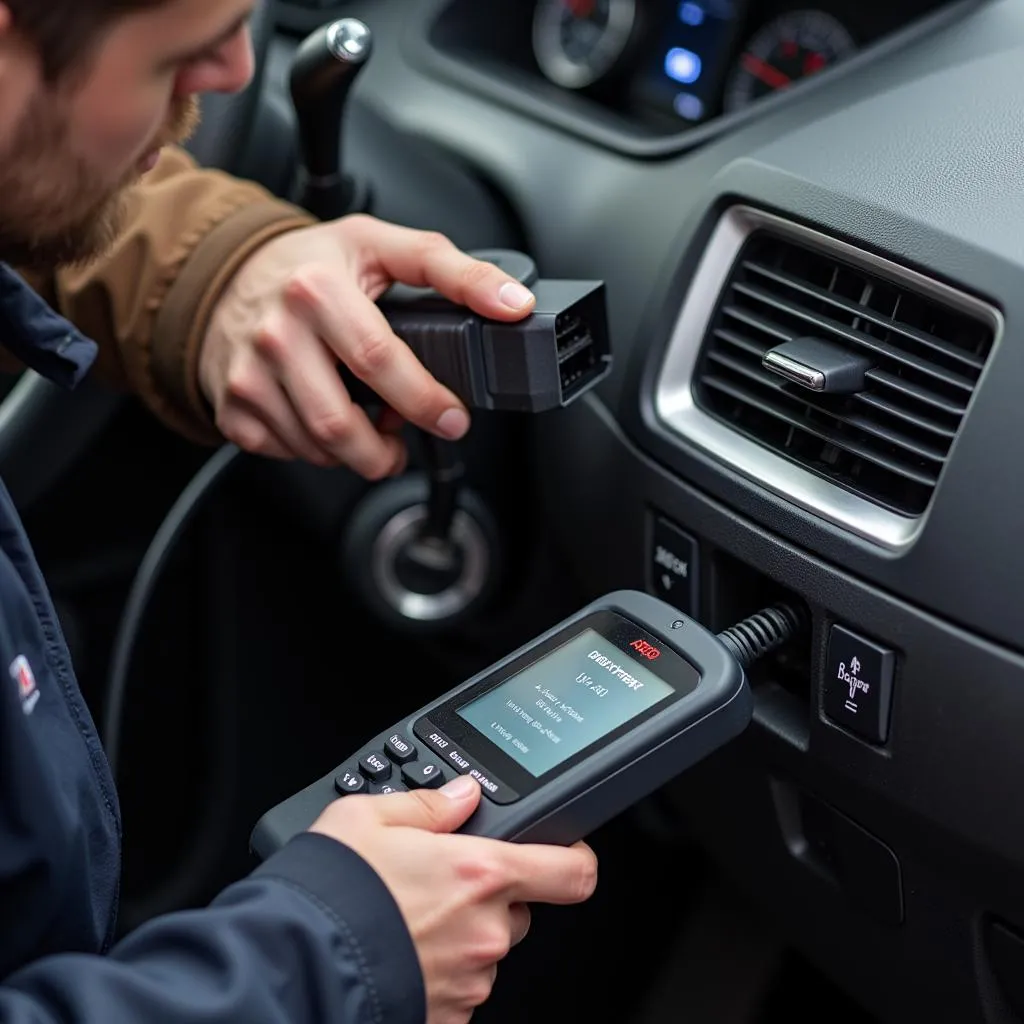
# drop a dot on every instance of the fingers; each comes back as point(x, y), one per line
point(315, 407)
point(258, 416)
point(251, 434)
point(550, 874)
point(357, 332)
point(439, 810)
point(427, 259)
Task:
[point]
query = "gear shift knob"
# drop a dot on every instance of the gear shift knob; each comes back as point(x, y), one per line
point(325, 67)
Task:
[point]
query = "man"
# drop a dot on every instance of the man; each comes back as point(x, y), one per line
point(378, 914)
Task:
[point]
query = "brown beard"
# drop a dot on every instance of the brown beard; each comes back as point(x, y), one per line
point(56, 210)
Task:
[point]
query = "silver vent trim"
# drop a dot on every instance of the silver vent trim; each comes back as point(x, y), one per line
point(677, 411)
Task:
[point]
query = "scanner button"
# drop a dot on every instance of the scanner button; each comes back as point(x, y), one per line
point(423, 775)
point(433, 738)
point(452, 755)
point(458, 760)
point(349, 781)
point(375, 767)
point(389, 787)
point(497, 791)
point(399, 749)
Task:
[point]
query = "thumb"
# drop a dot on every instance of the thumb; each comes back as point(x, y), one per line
point(434, 810)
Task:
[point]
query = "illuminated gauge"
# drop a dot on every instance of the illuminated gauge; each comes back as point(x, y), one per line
point(785, 51)
point(576, 42)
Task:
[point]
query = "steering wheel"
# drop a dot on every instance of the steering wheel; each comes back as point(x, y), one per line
point(43, 428)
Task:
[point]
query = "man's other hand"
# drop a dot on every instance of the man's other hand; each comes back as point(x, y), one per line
point(305, 302)
point(464, 899)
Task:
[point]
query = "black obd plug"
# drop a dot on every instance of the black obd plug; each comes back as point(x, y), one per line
point(542, 362)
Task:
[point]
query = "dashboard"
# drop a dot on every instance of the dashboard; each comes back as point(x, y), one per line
point(744, 177)
point(660, 67)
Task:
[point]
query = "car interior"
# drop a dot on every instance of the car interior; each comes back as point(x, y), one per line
point(807, 216)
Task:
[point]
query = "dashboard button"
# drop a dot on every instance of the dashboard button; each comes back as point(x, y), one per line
point(859, 684)
point(673, 567)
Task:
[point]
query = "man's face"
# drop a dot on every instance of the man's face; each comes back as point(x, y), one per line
point(70, 150)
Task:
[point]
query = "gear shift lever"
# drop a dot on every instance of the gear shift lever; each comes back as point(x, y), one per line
point(325, 68)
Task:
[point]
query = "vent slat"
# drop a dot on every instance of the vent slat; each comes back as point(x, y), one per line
point(759, 323)
point(856, 338)
point(831, 437)
point(862, 312)
point(905, 388)
point(744, 344)
point(886, 380)
point(919, 422)
point(889, 442)
point(793, 400)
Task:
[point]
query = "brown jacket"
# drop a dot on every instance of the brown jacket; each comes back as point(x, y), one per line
point(147, 302)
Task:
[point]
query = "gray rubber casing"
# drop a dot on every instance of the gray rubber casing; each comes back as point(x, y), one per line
point(589, 794)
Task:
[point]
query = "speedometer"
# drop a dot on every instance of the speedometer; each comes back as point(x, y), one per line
point(577, 42)
point(792, 47)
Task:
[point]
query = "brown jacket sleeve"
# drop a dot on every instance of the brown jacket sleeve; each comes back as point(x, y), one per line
point(147, 301)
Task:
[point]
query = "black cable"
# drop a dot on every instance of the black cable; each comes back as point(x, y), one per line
point(753, 638)
point(207, 844)
point(445, 472)
point(144, 587)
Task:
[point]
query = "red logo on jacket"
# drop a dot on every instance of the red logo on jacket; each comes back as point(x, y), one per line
point(22, 674)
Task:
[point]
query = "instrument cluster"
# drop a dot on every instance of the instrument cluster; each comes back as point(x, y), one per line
point(673, 63)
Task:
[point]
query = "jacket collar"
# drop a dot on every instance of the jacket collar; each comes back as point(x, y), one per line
point(40, 338)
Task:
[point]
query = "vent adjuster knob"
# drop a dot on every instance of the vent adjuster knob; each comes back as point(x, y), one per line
point(818, 366)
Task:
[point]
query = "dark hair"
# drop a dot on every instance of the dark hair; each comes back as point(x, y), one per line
point(65, 31)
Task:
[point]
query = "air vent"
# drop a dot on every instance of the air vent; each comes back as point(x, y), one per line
point(888, 442)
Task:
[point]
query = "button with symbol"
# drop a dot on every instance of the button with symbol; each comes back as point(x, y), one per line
point(672, 566)
point(423, 775)
point(389, 787)
point(858, 684)
point(375, 767)
point(399, 749)
point(349, 781)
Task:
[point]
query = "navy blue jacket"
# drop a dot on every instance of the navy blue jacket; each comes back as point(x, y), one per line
point(313, 935)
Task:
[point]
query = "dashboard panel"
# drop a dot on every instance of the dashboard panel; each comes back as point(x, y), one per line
point(659, 68)
point(892, 856)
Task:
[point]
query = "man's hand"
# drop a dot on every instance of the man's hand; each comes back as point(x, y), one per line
point(464, 899)
point(306, 301)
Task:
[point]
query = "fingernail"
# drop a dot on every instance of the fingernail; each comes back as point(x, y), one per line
point(453, 424)
point(461, 788)
point(515, 295)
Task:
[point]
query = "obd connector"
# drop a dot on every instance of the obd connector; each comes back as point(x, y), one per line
point(545, 361)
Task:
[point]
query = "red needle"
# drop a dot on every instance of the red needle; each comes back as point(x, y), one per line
point(771, 76)
point(814, 63)
point(581, 8)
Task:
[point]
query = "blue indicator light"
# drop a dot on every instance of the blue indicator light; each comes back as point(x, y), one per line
point(691, 13)
point(682, 65)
